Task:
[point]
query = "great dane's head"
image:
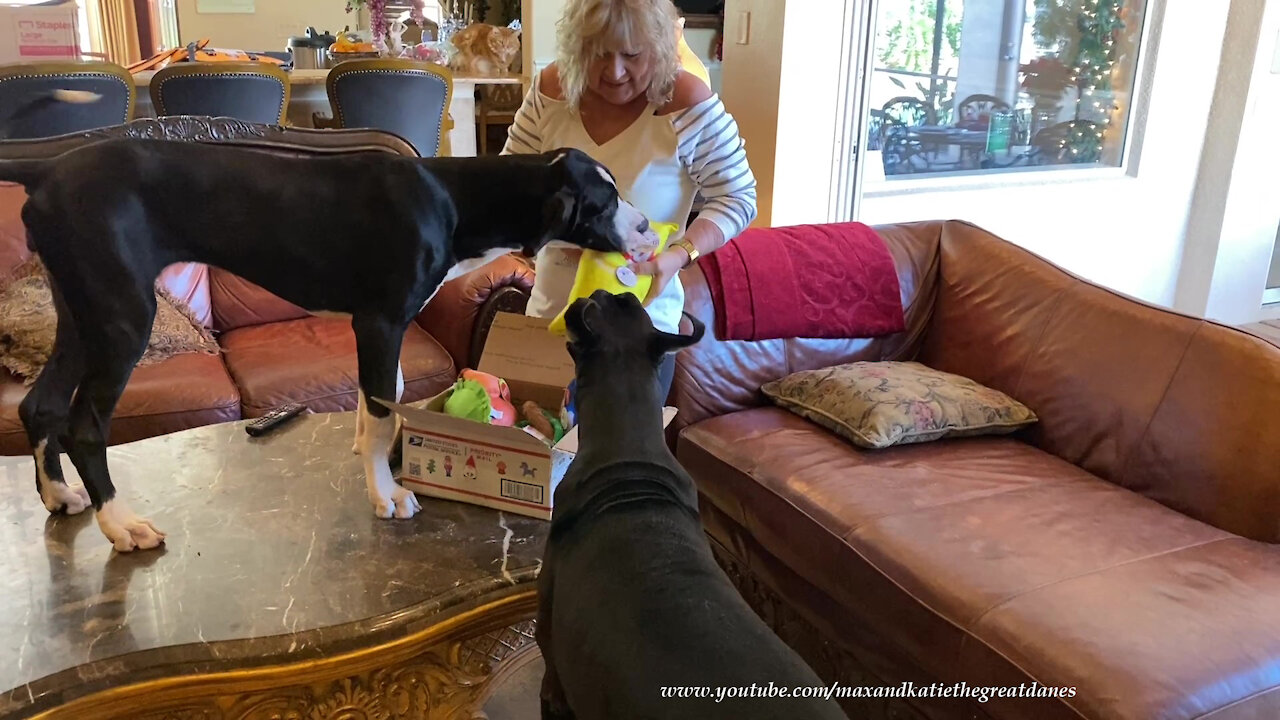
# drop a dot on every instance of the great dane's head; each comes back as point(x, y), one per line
point(587, 211)
point(612, 335)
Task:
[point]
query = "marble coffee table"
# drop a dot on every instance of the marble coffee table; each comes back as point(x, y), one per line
point(277, 595)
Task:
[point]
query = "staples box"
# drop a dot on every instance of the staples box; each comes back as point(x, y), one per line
point(35, 33)
point(504, 468)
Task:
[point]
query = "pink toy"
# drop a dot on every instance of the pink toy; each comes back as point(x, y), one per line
point(504, 413)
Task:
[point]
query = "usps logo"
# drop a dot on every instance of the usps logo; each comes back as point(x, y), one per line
point(415, 441)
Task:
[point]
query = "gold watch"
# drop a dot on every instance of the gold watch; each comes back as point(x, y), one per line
point(687, 247)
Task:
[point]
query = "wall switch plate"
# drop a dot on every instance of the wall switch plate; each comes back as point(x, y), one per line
point(744, 27)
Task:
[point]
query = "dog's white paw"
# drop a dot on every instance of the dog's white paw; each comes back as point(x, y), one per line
point(61, 497)
point(406, 502)
point(126, 531)
point(383, 507)
point(401, 504)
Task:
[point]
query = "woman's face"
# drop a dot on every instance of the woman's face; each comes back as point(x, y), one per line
point(621, 74)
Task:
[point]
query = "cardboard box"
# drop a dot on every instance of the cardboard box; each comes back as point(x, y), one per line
point(504, 468)
point(39, 33)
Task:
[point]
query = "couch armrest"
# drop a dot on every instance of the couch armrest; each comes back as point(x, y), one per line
point(458, 317)
point(1174, 407)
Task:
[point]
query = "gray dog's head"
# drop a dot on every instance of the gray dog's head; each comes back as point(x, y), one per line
point(614, 333)
point(588, 212)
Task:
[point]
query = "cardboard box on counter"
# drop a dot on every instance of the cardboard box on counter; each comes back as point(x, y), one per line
point(500, 467)
point(39, 33)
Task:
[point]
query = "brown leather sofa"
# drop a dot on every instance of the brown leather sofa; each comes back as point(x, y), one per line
point(1126, 545)
point(272, 351)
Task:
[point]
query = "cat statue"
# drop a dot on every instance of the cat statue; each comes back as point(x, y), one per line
point(485, 50)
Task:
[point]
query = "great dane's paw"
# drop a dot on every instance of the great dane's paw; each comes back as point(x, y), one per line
point(61, 497)
point(355, 448)
point(383, 508)
point(126, 531)
point(401, 504)
point(406, 502)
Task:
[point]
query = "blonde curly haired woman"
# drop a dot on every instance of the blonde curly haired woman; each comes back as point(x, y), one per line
point(618, 93)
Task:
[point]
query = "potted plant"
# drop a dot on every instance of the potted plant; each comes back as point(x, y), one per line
point(1045, 79)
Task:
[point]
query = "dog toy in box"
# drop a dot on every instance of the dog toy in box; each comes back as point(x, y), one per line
point(610, 271)
point(481, 397)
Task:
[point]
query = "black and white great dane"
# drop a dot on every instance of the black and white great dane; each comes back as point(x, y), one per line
point(630, 599)
point(370, 235)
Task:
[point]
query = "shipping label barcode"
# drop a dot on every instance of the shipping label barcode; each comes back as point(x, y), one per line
point(524, 492)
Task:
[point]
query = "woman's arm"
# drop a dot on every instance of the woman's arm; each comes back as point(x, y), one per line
point(713, 153)
point(524, 136)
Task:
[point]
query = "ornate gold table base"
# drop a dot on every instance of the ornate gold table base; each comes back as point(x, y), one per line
point(445, 672)
point(277, 596)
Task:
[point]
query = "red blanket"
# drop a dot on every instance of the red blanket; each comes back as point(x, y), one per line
point(813, 281)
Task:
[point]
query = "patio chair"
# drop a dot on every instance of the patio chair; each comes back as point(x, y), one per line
point(901, 152)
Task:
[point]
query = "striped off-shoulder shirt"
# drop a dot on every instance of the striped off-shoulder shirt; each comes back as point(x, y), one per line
point(667, 165)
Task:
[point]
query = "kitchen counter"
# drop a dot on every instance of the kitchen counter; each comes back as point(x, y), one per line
point(308, 96)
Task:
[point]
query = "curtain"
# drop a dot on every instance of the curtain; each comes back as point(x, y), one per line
point(113, 28)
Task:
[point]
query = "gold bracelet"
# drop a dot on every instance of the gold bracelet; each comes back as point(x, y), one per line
point(688, 248)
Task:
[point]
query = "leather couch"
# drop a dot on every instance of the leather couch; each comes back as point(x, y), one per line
point(272, 351)
point(1125, 546)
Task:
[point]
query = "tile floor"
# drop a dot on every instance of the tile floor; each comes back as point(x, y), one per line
point(517, 699)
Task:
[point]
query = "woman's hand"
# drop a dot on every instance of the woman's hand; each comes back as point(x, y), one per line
point(703, 234)
point(664, 266)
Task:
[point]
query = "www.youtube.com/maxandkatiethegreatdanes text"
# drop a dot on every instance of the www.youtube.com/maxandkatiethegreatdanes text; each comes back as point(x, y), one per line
point(837, 691)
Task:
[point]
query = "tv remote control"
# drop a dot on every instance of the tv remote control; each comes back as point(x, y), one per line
point(274, 419)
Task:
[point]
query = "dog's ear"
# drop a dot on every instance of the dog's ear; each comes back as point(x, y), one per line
point(558, 216)
point(581, 322)
point(665, 342)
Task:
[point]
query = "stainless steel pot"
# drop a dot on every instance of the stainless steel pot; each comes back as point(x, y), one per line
point(311, 50)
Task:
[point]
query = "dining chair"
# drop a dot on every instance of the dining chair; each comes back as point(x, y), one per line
point(253, 92)
point(409, 98)
point(21, 82)
point(497, 106)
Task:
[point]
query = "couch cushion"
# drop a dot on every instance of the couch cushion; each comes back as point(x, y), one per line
point(182, 392)
point(189, 283)
point(313, 361)
point(941, 546)
point(13, 234)
point(239, 303)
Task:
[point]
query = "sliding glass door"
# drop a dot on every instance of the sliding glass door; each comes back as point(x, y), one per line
point(981, 87)
point(1272, 294)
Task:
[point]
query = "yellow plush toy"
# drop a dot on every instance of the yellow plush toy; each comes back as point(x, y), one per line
point(610, 271)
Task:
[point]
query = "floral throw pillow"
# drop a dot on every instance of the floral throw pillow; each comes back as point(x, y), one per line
point(880, 404)
point(29, 321)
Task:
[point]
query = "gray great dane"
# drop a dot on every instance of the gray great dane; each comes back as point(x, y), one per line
point(630, 599)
